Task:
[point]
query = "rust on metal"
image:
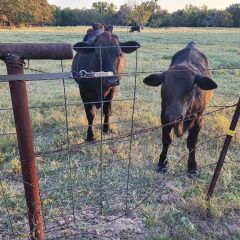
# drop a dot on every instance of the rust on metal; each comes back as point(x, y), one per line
point(224, 151)
point(25, 144)
point(54, 51)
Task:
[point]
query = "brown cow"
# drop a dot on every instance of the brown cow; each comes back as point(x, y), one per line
point(101, 52)
point(186, 90)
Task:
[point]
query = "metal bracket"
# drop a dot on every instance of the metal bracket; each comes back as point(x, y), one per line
point(13, 60)
point(11, 56)
point(85, 74)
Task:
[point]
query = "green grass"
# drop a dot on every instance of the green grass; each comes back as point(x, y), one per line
point(175, 211)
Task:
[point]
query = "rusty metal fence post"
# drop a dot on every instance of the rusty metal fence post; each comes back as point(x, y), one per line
point(19, 98)
point(13, 55)
point(223, 153)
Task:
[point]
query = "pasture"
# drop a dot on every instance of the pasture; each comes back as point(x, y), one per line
point(172, 205)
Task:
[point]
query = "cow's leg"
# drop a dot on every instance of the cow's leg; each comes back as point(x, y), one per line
point(191, 144)
point(167, 138)
point(90, 113)
point(107, 111)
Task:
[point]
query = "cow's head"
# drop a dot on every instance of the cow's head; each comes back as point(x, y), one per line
point(179, 90)
point(108, 53)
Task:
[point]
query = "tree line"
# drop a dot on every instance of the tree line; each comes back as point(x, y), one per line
point(26, 11)
point(148, 13)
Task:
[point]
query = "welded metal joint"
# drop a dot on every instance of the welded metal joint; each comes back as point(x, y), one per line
point(13, 60)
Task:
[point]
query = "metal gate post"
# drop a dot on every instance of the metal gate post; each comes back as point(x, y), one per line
point(19, 98)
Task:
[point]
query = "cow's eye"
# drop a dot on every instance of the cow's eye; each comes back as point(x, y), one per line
point(120, 55)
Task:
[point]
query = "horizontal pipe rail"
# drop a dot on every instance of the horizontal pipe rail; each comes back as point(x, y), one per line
point(35, 77)
point(54, 51)
point(52, 76)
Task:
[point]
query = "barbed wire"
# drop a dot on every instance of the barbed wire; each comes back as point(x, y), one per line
point(94, 102)
point(135, 134)
point(200, 145)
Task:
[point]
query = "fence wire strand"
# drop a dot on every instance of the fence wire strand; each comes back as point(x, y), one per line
point(137, 133)
point(131, 133)
point(101, 140)
point(68, 140)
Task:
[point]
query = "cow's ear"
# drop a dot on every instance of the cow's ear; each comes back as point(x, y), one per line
point(154, 79)
point(83, 47)
point(129, 47)
point(205, 83)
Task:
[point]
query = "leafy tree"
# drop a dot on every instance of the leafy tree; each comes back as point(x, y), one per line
point(209, 18)
point(26, 11)
point(159, 18)
point(57, 15)
point(142, 12)
point(192, 16)
point(45, 11)
point(234, 9)
point(223, 19)
point(124, 15)
point(104, 7)
point(67, 17)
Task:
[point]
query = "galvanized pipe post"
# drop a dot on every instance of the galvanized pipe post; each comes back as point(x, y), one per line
point(223, 153)
point(25, 145)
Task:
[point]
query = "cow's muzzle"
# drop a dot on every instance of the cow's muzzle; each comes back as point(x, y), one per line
point(176, 122)
point(110, 82)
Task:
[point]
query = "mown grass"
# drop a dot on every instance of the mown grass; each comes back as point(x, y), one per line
point(175, 211)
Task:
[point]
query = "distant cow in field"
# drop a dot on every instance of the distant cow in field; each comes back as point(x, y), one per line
point(135, 28)
point(186, 89)
point(101, 52)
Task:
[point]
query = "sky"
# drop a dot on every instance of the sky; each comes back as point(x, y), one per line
point(170, 5)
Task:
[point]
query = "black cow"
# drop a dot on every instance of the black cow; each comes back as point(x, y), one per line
point(186, 89)
point(135, 28)
point(102, 52)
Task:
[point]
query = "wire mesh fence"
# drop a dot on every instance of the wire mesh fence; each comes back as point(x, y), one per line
point(80, 181)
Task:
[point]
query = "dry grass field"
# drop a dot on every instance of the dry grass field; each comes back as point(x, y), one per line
point(168, 206)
